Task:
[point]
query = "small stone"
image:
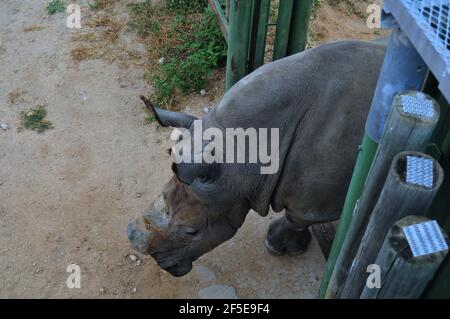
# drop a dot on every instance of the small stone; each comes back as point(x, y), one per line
point(34, 264)
point(138, 195)
point(205, 273)
point(218, 292)
point(133, 258)
point(61, 178)
point(83, 95)
point(203, 92)
point(102, 291)
point(4, 126)
point(138, 262)
point(161, 61)
point(205, 110)
point(134, 290)
point(30, 113)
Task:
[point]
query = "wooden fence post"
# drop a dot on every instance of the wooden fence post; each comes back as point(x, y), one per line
point(403, 69)
point(407, 128)
point(402, 274)
point(412, 183)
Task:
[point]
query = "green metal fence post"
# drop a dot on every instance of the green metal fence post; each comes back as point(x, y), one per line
point(440, 285)
point(367, 152)
point(221, 17)
point(403, 69)
point(261, 10)
point(299, 26)
point(239, 41)
point(283, 28)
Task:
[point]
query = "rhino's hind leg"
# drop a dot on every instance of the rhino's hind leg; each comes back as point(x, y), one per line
point(288, 237)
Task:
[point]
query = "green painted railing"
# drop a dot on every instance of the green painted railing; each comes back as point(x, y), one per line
point(244, 24)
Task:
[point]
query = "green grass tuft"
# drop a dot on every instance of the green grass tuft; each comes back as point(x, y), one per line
point(180, 6)
point(56, 6)
point(96, 5)
point(34, 119)
point(189, 41)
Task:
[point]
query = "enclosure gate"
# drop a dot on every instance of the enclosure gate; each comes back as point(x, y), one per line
point(244, 24)
point(420, 41)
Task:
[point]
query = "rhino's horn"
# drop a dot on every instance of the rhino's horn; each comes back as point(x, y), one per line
point(168, 118)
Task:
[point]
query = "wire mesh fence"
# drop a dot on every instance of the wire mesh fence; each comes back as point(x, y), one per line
point(433, 18)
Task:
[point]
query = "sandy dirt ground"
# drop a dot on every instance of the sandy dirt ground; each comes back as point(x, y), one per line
point(67, 195)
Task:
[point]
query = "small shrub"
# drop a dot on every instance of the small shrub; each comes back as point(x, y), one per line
point(143, 19)
point(183, 6)
point(56, 6)
point(101, 4)
point(316, 5)
point(188, 39)
point(95, 5)
point(188, 70)
point(34, 119)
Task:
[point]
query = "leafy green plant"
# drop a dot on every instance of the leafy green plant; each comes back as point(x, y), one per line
point(97, 4)
point(100, 4)
point(316, 4)
point(183, 6)
point(143, 19)
point(191, 45)
point(34, 119)
point(197, 56)
point(56, 6)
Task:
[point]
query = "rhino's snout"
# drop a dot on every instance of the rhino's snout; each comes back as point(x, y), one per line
point(143, 232)
point(139, 237)
point(158, 216)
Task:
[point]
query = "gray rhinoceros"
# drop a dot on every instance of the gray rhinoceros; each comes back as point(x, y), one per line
point(319, 100)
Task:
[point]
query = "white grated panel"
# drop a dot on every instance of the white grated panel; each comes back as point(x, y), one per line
point(417, 105)
point(425, 238)
point(419, 171)
point(433, 18)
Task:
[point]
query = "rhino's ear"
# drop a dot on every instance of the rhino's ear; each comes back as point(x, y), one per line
point(168, 118)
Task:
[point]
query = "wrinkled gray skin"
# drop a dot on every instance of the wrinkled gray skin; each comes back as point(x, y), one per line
point(319, 100)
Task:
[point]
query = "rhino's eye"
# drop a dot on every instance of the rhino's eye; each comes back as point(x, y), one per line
point(189, 231)
point(203, 178)
point(192, 233)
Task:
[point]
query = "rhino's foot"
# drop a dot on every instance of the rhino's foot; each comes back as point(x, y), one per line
point(284, 239)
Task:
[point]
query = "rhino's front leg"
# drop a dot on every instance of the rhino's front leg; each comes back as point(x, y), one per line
point(288, 235)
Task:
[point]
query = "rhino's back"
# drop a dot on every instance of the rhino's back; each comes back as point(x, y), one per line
point(314, 76)
point(317, 170)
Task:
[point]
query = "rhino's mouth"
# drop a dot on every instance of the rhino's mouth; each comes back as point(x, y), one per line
point(172, 265)
point(179, 269)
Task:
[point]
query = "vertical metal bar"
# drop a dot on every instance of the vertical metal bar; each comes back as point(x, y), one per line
point(283, 27)
point(299, 26)
point(403, 69)
point(441, 140)
point(261, 10)
point(367, 152)
point(221, 18)
point(239, 41)
point(440, 285)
